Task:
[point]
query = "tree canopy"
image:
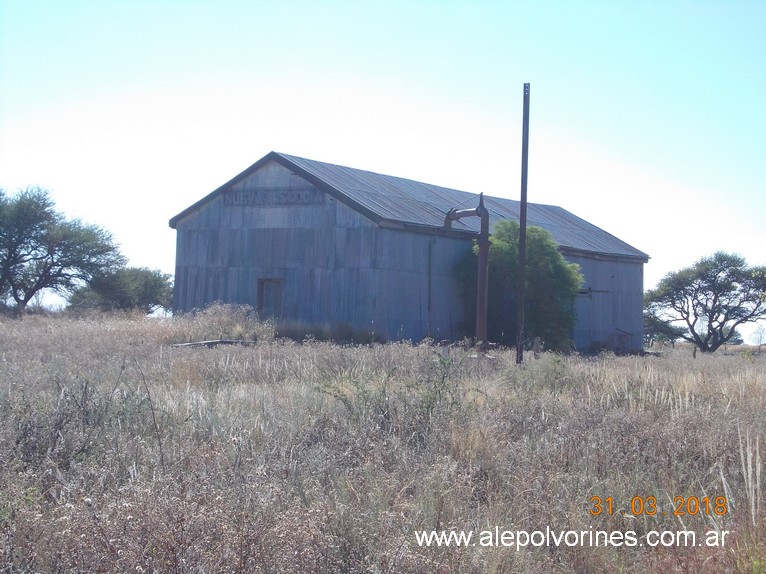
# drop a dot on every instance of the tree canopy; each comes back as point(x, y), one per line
point(551, 286)
point(41, 249)
point(124, 289)
point(710, 299)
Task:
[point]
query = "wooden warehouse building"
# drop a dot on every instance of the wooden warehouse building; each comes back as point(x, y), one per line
point(321, 244)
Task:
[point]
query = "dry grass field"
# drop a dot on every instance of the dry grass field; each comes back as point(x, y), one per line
point(122, 453)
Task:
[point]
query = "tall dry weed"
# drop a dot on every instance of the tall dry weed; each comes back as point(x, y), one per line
point(121, 452)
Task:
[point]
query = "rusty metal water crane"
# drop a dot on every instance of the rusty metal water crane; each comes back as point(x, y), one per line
point(482, 281)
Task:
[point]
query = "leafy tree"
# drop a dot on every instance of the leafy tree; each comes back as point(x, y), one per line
point(657, 330)
point(551, 286)
point(735, 338)
point(41, 249)
point(124, 289)
point(710, 299)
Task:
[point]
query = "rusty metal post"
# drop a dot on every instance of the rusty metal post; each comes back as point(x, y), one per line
point(482, 282)
point(521, 293)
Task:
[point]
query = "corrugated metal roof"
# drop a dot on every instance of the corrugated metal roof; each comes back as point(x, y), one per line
point(404, 201)
point(412, 202)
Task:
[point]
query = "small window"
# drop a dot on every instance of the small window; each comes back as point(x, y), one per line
point(270, 298)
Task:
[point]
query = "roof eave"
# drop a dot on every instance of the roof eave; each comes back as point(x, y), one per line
point(427, 229)
point(469, 234)
point(637, 258)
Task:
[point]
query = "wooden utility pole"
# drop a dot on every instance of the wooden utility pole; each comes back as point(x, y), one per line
point(521, 293)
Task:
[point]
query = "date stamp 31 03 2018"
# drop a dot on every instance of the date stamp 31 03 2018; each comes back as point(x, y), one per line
point(648, 506)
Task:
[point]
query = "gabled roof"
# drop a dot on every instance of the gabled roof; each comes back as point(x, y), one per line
point(393, 200)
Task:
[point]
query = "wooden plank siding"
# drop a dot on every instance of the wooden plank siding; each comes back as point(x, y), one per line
point(336, 265)
point(418, 294)
point(610, 307)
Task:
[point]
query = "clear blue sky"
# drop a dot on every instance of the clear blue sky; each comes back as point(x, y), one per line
point(647, 118)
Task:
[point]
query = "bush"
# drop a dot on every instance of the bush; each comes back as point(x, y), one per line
point(222, 321)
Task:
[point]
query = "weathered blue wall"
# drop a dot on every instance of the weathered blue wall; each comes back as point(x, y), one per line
point(336, 266)
point(610, 311)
